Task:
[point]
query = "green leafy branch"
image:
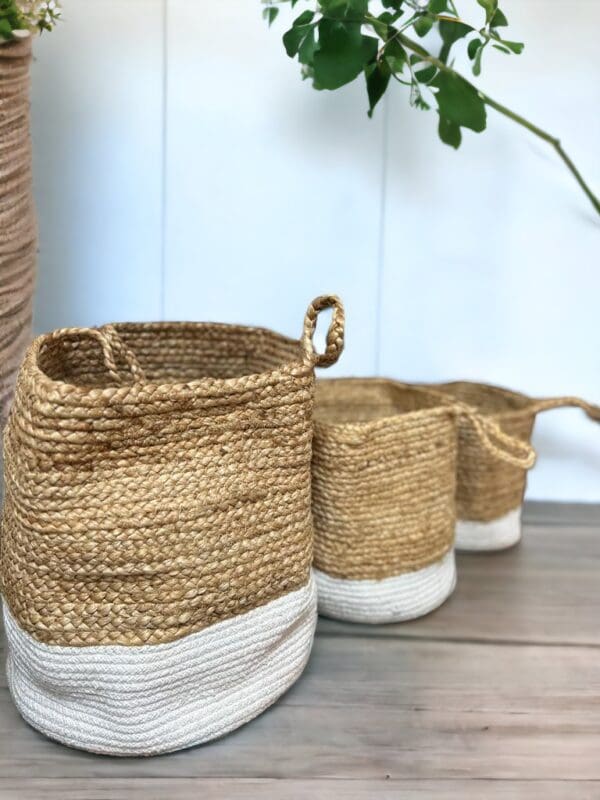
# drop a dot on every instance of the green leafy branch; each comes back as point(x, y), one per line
point(336, 41)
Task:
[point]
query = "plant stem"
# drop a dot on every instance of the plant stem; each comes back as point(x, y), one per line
point(501, 109)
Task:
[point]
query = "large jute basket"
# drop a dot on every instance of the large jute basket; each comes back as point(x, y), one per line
point(157, 531)
point(18, 233)
point(490, 492)
point(384, 487)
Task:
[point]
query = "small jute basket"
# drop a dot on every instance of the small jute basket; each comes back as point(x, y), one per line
point(384, 487)
point(490, 492)
point(157, 531)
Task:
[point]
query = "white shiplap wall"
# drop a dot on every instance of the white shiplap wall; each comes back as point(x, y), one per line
point(183, 170)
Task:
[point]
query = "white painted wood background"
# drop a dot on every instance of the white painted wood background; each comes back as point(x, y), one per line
point(183, 170)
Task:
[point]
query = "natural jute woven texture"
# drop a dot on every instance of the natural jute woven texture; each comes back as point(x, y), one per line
point(158, 478)
point(18, 234)
point(487, 488)
point(384, 475)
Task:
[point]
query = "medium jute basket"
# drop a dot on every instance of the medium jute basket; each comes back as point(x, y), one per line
point(490, 492)
point(384, 488)
point(157, 531)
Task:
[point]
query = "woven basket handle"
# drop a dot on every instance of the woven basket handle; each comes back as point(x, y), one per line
point(498, 443)
point(548, 403)
point(335, 334)
point(111, 345)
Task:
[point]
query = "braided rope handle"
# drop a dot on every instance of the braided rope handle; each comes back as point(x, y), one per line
point(548, 403)
point(335, 334)
point(498, 443)
point(111, 345)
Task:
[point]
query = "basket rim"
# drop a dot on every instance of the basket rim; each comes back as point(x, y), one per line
point(445, 404)
point(61, 390)
point(494, 389)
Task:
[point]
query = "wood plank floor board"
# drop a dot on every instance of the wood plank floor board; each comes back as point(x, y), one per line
point(495, 695)
point(346, 741)
point(233, 789)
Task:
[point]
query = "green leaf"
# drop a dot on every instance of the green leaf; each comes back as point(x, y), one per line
point(426, 74)
point(5, 29)
point(516, 47)
point(294, 38)
point(270, 14)
point(490, 7)
point(498, 20)
point(459, 102)
point(477, 61)
point(306, 51)
point(502, 48)
point(341, 53)
point(449, 132)
point(473, 47)
point(378, 77)
point(437, 6)
point(395, 55)
point(344, 9)
point(423, 25)
point(451, 32)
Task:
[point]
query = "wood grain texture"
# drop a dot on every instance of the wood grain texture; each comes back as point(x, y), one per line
point(497, 695)
point(233, 789)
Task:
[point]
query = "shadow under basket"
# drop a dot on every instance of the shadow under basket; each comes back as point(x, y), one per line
point(490, 492)
point(157, 531)
point(384, 487)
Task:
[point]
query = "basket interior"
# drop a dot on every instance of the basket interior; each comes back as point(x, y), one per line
point(356, 400)
point(171, 353)
point(486, 398)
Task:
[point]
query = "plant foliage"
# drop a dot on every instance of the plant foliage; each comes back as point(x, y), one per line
point(411, 42)
point(19, 18)
point(336, 41)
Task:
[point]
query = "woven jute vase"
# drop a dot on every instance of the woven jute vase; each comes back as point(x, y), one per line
point(384, 489)
point(18, 234)
point(157, 531)
point(490, 492)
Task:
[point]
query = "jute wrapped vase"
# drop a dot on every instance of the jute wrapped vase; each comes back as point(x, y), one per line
point(490, 492)
point(18, 235)
point(157, 532)
point(384, 490)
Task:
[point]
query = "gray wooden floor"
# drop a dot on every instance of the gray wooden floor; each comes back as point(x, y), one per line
point(496, 695)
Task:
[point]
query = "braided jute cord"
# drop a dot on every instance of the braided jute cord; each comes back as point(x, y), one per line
point(18, 232)
point(497, 443)
point(158, 478)
point(550, 403)
point(335, 334)
point(111, 345)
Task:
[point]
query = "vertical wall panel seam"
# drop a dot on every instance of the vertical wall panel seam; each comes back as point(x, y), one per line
point(163, 166)
point(381, 234)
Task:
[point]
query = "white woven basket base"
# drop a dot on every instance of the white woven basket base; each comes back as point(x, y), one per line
point(158, 698)
point(489, 536)
point(396, 599)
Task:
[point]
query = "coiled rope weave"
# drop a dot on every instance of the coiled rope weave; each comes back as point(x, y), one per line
point(18, 233)
point(384, 475)
point(489, 488)
point(158, 478)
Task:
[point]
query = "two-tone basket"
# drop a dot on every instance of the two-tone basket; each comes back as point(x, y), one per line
point(157, 532)
point(490, 492)
point(384, 488)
